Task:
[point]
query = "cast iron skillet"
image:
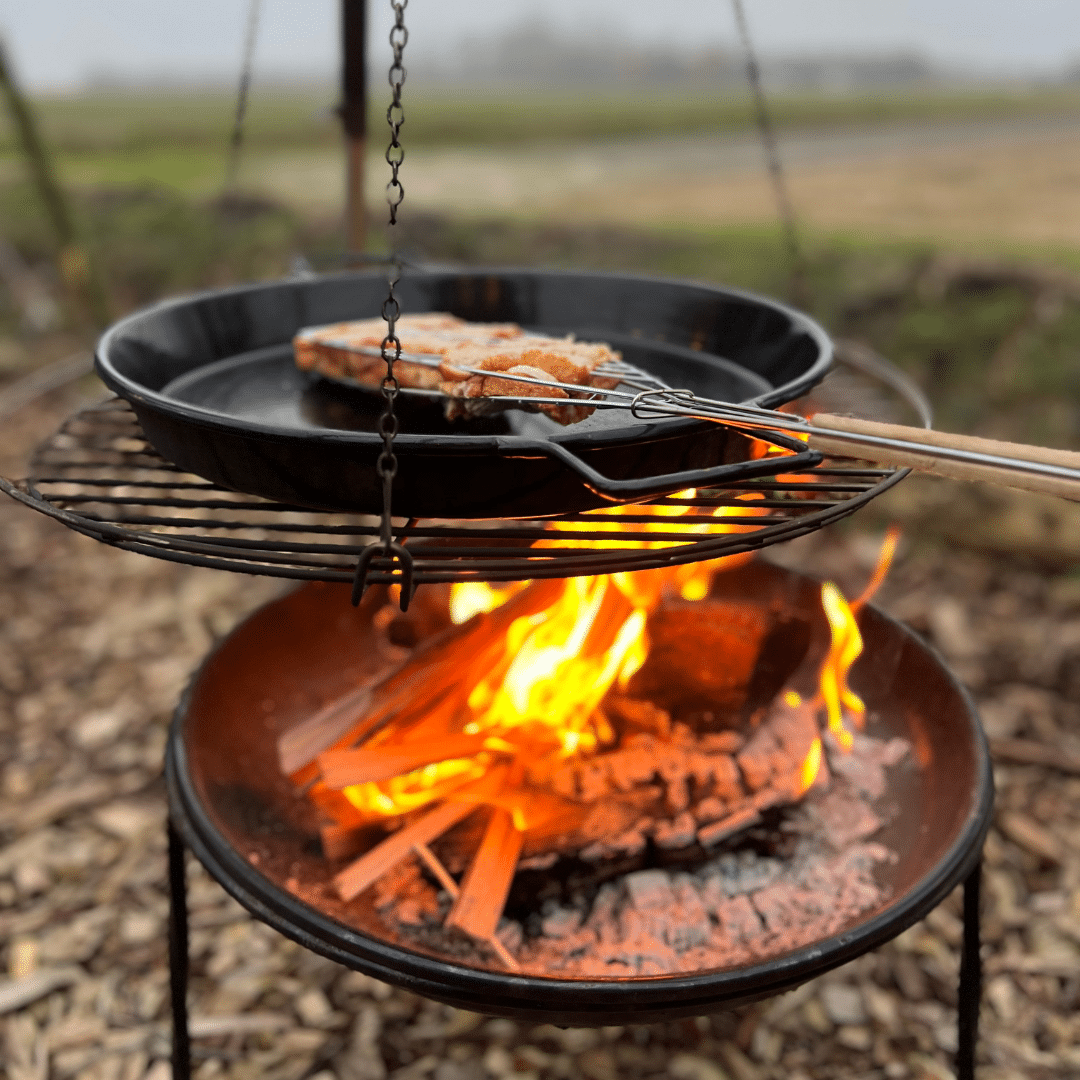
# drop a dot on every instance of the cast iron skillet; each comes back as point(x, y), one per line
point(212, 381)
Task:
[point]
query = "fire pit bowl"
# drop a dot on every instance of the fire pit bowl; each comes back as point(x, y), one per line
point(257, 835)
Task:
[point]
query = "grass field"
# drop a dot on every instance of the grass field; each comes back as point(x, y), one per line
point(969, 168)
point(141, 121)
point(180, 138)
point(146, 177)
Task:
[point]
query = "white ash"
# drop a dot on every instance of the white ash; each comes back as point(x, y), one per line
point(738, 906)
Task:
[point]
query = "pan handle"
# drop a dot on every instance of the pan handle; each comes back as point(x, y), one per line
point(644, 486)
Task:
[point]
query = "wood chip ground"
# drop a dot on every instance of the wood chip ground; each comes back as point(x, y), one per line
point(95, 646)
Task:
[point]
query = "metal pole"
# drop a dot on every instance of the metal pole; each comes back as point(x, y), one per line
point(970, 995)
point(178, 955)
point(353, 111)
point(76, 262)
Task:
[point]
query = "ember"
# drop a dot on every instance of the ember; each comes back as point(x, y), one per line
point(605, 723)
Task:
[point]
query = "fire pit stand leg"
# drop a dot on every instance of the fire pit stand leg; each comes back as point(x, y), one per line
point(970, 993)
point(178, 955)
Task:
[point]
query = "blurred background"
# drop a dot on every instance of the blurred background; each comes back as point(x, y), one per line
point(930, 156)
point(929, 148)
point(929, 152)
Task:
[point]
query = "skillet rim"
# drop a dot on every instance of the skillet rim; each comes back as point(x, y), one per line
point(178, 411)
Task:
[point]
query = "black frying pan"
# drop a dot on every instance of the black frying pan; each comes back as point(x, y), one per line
point(212, 381)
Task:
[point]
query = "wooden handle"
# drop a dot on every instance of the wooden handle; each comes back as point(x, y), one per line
point(923, 458)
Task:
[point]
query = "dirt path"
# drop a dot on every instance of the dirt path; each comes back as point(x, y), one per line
point(95, 646)
point(1007, 180)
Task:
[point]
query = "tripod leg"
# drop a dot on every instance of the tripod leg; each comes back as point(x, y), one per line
point(178, 956)
point(970, 995)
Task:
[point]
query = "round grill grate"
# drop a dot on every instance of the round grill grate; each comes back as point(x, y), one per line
point(99, 476)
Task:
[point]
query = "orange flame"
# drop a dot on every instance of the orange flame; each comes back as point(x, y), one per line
point(847, 645)
point(884, 561)
point(845, 649)
point(469, 598)
point(539, 702)
point(562, 662)
point(810, 768)
point(400, 794)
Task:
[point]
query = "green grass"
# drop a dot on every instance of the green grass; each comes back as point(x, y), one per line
point(180, 139)
point(146, 122)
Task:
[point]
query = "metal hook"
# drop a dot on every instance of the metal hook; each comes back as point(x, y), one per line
point(392, 551)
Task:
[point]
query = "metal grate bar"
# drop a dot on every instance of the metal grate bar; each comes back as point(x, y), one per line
point(98, 475)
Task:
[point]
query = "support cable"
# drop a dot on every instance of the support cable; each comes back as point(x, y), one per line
point(232, 168)
point(774, 164)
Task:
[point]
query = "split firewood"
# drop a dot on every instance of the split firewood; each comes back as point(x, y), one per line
point(702, 654)
point(439, 669)
point(354, 879)
point(483, 891)
point(427, 857)
point(300, 745)
point(342, 768)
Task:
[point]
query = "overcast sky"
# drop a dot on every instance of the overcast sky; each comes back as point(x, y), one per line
point(58, 44)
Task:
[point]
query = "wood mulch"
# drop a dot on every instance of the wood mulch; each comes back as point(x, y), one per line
point(95, 646)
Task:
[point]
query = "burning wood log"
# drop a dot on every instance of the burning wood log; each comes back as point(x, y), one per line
point(442, 667)
point(355, 878)
point(343, 768)
point(702, 653)
point(483, 892)
point(302, 744)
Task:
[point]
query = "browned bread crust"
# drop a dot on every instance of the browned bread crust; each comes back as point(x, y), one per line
point(350, 350)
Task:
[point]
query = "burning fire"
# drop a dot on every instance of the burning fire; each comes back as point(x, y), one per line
point(471, 598)
point(526, 692)
point(539, 702)
point(810, 768)
point(846, 647)
point(691, 580)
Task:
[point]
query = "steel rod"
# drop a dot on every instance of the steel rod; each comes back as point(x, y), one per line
point(178, 955)
point(970, 991)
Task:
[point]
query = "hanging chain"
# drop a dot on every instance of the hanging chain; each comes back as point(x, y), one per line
point(395, 115)
point(386, 466)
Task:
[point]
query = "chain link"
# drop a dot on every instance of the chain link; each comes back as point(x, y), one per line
point(395, 115)
point(386, 466)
